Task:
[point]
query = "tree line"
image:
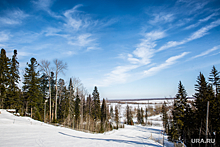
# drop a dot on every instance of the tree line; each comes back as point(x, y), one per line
point(188, 118)
point(47, 98)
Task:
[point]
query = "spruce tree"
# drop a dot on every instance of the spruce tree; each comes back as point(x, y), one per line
point(142, 116)
point(165, 116)
point(116, 116)
point(204, 93)
point(103, 115)
point(215, 80)
point(128, 115)
point(173, 132)
point(64, 104)
point(44, 85)
point(72, 102)
point(146, 110)
point(138, 115)
point(111, 113)
point(96, 104)
point(131, 116)
point(180, 104)
point(31, 88)
point(4, 79)
point(200, 104)
point(77, 111)
point(13, 90)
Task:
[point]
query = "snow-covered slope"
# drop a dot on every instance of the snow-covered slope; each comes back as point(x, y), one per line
point(24, 131)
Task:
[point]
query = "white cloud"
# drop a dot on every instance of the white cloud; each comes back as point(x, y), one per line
point(13, 17)
point(171, 44)
point(121, 74)
point(95, 47)
point(76, 19)
point(206, 52)
point(52, 31)
point(45, 5)
point(76, 27)
point(82, 40)
point(203, 31)
point(141, 56)
point(68, 53)
point(168, 62)
point(3, 46)
point(192, 6)
point(4, 36)
point(162, 18)
point(198, 34)
point(145, 50)
point(208, 17)
point(118, 75)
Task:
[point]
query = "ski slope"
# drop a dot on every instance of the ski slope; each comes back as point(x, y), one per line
point(26, 132)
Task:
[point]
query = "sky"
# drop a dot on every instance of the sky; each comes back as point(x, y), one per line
point(128, 49)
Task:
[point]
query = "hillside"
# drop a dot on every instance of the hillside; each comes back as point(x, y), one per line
point(24, 131)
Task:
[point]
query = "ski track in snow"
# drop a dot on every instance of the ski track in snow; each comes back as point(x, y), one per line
point(26, 132)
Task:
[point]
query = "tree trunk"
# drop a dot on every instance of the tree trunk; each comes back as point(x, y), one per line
point(50, 98)
point(31, 111)
point(26, 108)
point(56, 99)
point(52, 111)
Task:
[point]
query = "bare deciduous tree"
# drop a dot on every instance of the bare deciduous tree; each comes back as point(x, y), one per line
point(45, 67)
point(59, 67)
point(77, 85)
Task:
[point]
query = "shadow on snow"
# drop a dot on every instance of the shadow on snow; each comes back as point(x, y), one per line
point(114, 140)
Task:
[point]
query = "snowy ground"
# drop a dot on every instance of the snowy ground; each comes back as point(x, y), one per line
point(24, 131)
point(122, 110)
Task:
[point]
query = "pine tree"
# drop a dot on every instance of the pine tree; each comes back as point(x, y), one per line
point(13, 90)
point(173, 133)
point(142, 116)
point(138, 115)
point(128, 115)
point(111, 113)
point(96, 104)
point(200, 104)
point(146, 110)
point(116, 116)
point(63, 109)
point(103, 115)
point(77, 111)
point(44, 85)
point(165, 116)
point(180, 105)
point(131, 116)
point(32, 88)
point(4, 79)
point(215, 80)
point(84, 108)
point(72, 102)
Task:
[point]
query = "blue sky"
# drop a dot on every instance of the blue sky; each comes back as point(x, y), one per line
point(129, 49)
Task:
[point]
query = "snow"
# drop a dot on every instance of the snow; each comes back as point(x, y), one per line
point(24, 131)
point(122, 109)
